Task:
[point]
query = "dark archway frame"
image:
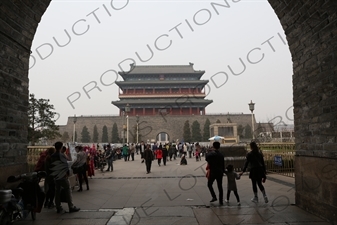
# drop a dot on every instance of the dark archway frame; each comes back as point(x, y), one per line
point(311, 30)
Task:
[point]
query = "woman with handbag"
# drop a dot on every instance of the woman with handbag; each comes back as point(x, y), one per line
point(80, 167)
point(257, 172)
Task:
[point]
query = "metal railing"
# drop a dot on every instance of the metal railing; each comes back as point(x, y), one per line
point(107, 115)
point(225, 114)
point(33, 155)
point(279, 158)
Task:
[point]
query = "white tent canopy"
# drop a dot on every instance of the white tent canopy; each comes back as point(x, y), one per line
point(216, 138)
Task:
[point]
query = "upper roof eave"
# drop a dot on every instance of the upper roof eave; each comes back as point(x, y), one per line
point(156, 82)
point(161, 101)
point(161, 69)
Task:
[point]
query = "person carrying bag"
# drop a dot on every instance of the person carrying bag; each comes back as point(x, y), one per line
point(80, 167)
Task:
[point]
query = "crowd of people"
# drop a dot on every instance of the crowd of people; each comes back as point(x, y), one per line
point(56, 184)
point(88, 158)
point(55, 162)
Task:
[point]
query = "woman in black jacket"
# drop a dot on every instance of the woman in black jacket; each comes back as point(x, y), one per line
point(257, 171)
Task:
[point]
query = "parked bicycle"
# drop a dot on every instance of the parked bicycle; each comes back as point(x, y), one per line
point(26, 199)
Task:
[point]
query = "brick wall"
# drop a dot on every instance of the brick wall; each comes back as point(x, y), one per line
point(149, 126)
point(18, 23)
point(310, 27)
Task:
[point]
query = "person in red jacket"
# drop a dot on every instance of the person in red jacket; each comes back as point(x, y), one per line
point(159, 154)
point(40, 163)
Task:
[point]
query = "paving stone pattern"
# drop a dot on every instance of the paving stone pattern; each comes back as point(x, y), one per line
point(175, 194)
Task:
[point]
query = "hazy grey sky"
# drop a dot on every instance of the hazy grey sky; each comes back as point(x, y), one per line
point(245, 38)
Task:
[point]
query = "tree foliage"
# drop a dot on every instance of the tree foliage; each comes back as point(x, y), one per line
point(187, 132)
point(259, 129)
point(95, 135)
point(206, 130)
point(85, 135)
point(248, 131)
point(114, 135)
point(41, 122)
point(240, 131)
point(105, 138)
point(196, 131)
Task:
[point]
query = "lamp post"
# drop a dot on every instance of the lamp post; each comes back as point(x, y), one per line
point(137, 120)
point(127, 110)
point(124, 128)
point(251, 108)
point(74, 131)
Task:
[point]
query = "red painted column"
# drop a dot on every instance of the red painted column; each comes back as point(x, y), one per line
point(143, 111)
point(153, 111)
point(190, 110)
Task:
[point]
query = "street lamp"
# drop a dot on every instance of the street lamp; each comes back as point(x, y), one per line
point(127, 110)
point(124, 127)
point(137, 120)
point(251, 108)
point(74, 131)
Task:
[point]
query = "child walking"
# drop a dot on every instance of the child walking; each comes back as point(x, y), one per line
point(231, 183)
point(159, 154)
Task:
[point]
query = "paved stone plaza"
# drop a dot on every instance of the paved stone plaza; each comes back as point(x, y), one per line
point(174, 194)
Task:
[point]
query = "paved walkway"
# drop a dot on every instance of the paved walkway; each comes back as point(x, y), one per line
point(174, 194)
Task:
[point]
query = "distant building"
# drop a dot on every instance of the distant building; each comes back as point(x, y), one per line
point(162, 90)
point(160, 100)
point(226, 130)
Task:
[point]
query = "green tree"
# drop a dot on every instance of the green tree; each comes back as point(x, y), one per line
point(65, 137)
point(240, 131)
point(218, 121)
point(196, 131)
point(259, 129)
point(206, 130)
point(105, 138)
point(114, 135)
point(95, 135)
point(85, 135)
point(187, 132)
point(41, 122)
point(248, 131)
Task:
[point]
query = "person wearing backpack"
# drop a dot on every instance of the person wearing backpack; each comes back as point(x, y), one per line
point(60, 172)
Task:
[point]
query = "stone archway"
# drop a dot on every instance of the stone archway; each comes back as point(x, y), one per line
point(310, 27)
point(162, 137)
